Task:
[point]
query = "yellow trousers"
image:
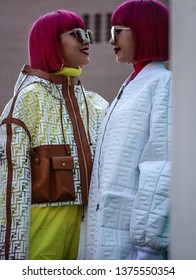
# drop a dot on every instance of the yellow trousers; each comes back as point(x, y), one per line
point(54, 232)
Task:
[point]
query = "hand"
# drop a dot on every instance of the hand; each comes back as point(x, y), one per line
point(144, 253)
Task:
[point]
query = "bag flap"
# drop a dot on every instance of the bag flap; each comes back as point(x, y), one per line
point(65, 162)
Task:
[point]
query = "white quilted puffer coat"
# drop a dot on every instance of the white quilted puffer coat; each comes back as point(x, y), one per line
point(127, 215)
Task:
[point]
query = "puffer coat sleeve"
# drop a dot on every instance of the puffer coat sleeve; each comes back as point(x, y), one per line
point(15, 175)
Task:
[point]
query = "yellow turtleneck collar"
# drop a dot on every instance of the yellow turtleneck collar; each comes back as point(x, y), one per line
point(68, 71)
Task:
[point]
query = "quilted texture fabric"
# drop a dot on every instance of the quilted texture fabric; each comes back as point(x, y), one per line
point(38, 107)
point(129, 193)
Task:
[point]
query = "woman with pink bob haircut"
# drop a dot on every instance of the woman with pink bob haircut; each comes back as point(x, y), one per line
point(149, 24)
point(129, 200)
point(48, 136)
point(45, 32)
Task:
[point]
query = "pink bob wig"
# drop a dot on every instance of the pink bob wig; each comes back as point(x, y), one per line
point(44, 45)
point(149, 24)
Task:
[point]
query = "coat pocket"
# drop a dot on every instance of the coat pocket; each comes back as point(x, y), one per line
point(64, 183)
point(52, 174)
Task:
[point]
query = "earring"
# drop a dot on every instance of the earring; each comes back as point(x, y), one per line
point(61, 67)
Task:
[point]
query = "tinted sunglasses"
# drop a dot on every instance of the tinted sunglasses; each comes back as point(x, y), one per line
point(115, 30)
point(81, 35)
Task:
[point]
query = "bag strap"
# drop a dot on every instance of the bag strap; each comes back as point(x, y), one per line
point(84, 153)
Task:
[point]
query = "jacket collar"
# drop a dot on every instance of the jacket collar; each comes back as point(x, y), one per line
point(30, 76)
point(150, 68)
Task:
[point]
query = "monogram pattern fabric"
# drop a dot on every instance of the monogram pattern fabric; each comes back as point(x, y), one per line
point(129, 199)
point(38, 107)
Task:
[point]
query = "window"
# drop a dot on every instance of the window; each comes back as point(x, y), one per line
point(86, 18)
point(108, 27)
point(96, 23)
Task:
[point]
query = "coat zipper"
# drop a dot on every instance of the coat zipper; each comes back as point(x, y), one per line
point(118, 97)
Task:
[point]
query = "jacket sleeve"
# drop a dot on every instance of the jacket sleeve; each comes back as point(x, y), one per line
point(15, 177)
point(149, 220)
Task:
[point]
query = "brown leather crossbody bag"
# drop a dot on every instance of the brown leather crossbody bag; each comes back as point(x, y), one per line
point(52, 174)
